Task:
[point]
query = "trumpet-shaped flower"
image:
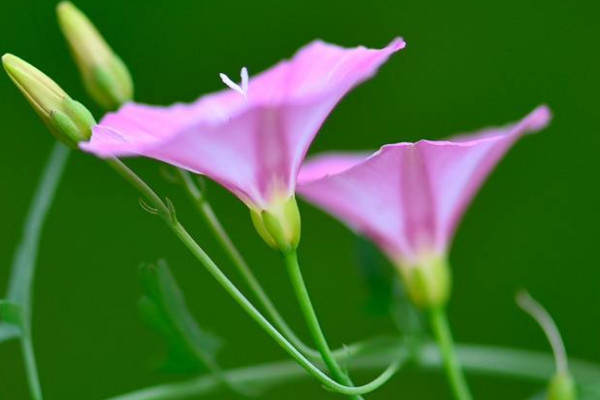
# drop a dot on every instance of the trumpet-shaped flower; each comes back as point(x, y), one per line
point(251, 138)
point(409, 197)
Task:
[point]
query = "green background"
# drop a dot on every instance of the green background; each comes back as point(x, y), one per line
point(467, 64)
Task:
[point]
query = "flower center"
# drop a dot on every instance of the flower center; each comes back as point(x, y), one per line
point(242, 88)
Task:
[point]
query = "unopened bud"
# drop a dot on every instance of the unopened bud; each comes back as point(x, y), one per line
point(428, 282)
point(104, 75)
point(562, 387)
point(66, 118)
point(279, 226)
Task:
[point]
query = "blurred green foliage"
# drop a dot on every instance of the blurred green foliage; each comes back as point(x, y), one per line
point(468, 64)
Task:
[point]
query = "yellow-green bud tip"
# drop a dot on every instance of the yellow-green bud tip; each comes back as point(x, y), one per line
point(104, 75)
point(67, 119)
point(42, 92)
point(562, 387)
point(279, 226)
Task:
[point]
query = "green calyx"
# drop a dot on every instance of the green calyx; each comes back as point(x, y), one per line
point(428, 283)
point(279, 226)
point(562, 387)
point(105, 76)
point(66, 118)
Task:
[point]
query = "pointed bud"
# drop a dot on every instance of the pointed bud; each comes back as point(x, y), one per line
point(562, 387)
point(104, 75)
point(279, 226)
point(66, 118)
point(428, 283)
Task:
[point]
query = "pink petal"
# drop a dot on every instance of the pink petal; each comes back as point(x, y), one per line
point(252, 146)
point(409, 197)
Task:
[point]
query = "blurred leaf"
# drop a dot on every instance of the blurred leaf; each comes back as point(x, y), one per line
point(190, 348)
point(386, 291)
point(406, 316)
point(588, 392)
point(540, 395)
point(378, 278)
point(23, 265)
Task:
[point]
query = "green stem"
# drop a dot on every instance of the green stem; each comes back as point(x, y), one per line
point(441, 329)
point(484, 360)
point(236, 257)
point(166, 212)
point(20, 287)
point(311, 319)
point(30, 366)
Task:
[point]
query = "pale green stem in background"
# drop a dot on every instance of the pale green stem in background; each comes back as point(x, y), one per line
point(481, 360)
point(30, 366)
point(203, 206)
point(310, 316)
point(543, 318)
point(167, 213)
point(20, 287)
point(443, 335)
point(24, 262)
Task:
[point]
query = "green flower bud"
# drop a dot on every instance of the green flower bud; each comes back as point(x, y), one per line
point(66, 118)
point(279, 226)
point(562, 387)
point(104, 75)
point(427, 283)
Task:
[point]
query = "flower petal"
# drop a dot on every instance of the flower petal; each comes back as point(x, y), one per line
point(252, 144)
point(409, 197)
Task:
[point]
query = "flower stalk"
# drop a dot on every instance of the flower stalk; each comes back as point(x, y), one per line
point(206, 211)
point(310, 316)
point(443, 335)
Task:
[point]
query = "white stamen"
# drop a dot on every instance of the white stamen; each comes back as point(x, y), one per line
point(243, 87)
point(543, 318)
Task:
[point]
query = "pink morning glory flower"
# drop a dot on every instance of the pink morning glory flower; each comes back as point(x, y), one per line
point(252, 137)
point(409, 197)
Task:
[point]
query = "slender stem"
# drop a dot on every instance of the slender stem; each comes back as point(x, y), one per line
point(30, 366)
point(20, 287)
point(441, 329)
point(484, 360)
point(167, 213)
point(544, 319)
point(236, 257)
point(22, 275)
point(311, 319)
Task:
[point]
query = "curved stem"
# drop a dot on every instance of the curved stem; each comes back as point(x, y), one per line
point(167, 213)
point(205, 209)
point(488, 360)
point(22, 271)
point(544, 319)
point(20, 287)
point(311, 319)
point(441, 329)
point(31, 368)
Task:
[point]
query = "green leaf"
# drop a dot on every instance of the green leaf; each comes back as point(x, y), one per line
point(378, 278)
point(387, 295)
point(190, 348)
point(24, 261)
